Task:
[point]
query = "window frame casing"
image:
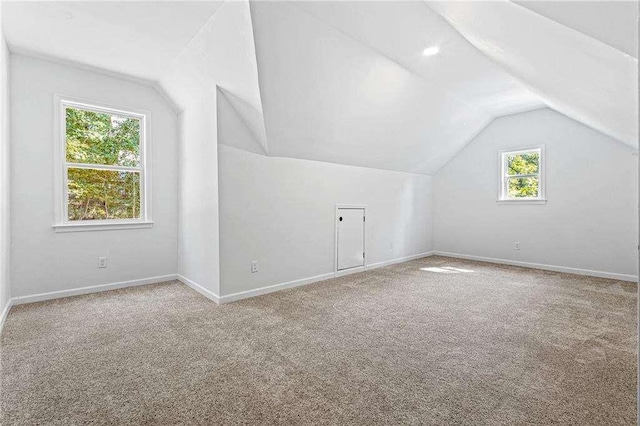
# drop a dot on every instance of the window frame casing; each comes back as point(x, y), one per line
point(503, 197)
point(61, 194)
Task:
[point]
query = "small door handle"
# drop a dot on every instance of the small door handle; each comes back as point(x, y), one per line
point(340, 218)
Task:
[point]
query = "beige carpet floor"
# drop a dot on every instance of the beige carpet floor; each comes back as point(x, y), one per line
point(479, 344)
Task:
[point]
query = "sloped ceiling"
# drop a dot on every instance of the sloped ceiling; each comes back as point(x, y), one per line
point(573, 73)
point(232, 127)
point(401, 30)
point(612, 22)
point(346, 81)
point(328, 97)
point(221, 56)
point(136, 38)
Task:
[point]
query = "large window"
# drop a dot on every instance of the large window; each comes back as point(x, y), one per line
point(522, 175)
point(102, 174)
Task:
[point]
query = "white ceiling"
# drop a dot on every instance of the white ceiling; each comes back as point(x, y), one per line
point(612, 22)
point(346, 81)
point(329, 97)
point(573, 73)
point(140, 39)
point(221, 58)
point(401, 30)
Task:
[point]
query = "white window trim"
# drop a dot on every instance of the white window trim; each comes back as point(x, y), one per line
point(61, 222)
point(502, 178)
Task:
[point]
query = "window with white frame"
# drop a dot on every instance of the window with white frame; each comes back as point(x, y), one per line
point(101, 166)
point(522, 175)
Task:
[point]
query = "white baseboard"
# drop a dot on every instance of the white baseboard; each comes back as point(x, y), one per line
point(310, 280)
point(273, 288)
point(5, 312)
point(197, 287)
point(93, 289)
point(399, 260)
point(554, 268)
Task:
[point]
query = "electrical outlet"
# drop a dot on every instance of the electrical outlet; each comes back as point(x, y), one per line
point(102, 262)
point(254, 266)
point(516, 245)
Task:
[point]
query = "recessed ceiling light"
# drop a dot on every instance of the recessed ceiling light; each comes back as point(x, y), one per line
point(430, 51)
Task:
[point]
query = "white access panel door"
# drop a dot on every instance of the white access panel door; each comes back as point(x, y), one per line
point(350, 238)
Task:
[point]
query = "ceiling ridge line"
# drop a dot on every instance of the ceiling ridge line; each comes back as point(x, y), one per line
point(196, 34)
point(255, 55)
point(370, 48)
point(574, 30)
point(525, 85)
point(223, 92)
point(595, 124)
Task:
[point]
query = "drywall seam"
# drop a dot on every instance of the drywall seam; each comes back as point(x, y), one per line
point(544, 267)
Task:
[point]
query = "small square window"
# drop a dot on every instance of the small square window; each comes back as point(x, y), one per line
point(521, 175)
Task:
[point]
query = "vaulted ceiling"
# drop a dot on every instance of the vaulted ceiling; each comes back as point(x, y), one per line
point(140, 39)
point(612, 22)
point(573, 73)
point(347, 82)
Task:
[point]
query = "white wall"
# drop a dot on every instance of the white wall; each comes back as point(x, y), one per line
point(5, 155)
point(221, 55)
point(281, 212)
point(45, 261)
point(590, 221)
point(198, 201)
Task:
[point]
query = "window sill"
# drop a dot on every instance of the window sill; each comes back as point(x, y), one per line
point(518, 202)
point(83, 227)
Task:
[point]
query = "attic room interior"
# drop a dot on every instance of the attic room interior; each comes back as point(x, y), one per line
point(319, 212)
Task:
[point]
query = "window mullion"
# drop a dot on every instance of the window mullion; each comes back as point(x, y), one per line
point(125, 192)
point(523, 176)
point(103, 167)
point(506, 179)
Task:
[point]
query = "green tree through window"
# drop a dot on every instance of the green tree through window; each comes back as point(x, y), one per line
point(521, 174)
point(103, 165)
point(525, 165)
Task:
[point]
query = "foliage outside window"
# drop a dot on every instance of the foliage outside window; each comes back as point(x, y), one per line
point(521, 177)
point(103, 163)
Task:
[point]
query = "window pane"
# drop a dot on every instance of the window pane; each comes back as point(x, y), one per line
point(102, 138)
point(523, 187)
point(103, 194)
point(525, 163)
